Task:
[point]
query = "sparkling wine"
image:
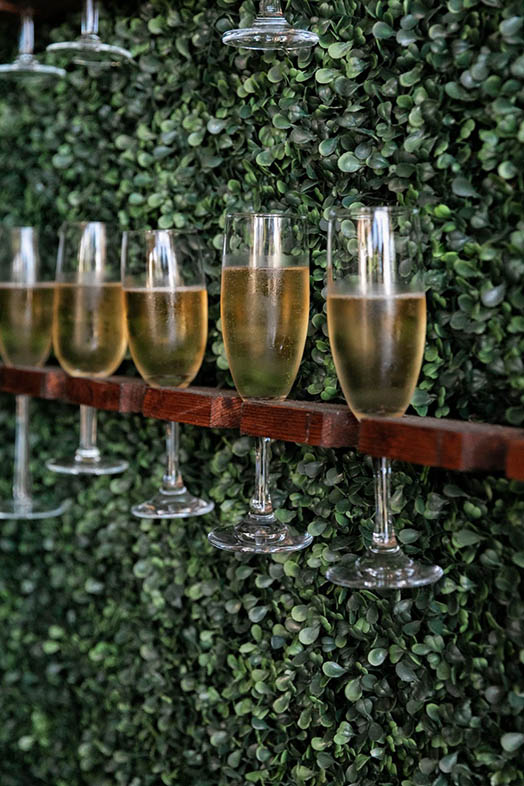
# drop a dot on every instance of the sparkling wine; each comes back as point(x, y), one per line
point(377, 342)
point(26, 315)
point(167, 333)
point(89, 334)
point(264, 322)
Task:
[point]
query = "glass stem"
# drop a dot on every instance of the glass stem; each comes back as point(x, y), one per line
point(88, 450)
point(260, 504)
point(270, 8)
point(383, 539)
point(172, 482)
point(22, 475)
point(26, 44)
point(90, 18)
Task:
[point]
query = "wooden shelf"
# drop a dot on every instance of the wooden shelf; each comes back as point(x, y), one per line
point(450, 444)
point(43, 8)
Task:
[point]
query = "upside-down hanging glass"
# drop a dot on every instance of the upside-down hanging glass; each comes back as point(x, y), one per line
point(89, 331)
point(270, 30)
point(26, 67)
point(88, 48)
point(166, 310)
point(26, 315)
point(377, 326)
point(264, 311)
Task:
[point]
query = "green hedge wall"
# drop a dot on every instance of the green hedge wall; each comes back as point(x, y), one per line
point(133, 654)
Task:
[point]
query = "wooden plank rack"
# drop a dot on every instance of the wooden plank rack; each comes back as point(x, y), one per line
point(450, 444)
point(45, 8)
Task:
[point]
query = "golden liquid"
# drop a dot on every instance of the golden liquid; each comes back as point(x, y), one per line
point(26, 316)
point(377, 343)
point(264, 322)
point(167, 333)
point(89, 334)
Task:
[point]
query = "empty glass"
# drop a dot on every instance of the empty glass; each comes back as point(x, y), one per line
point(166, 309)
point(26, 67)
point(270, 30)
point(26, 314)
point(88, 48)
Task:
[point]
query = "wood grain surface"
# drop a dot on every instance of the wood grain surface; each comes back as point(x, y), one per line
point(450, 444)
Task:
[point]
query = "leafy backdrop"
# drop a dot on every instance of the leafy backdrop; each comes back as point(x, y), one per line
point(132, 653)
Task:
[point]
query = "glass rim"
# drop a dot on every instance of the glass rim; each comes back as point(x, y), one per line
point(254, 214)
point(18, 227)
point(77, 224)
point(174, 232)
point(367, 210)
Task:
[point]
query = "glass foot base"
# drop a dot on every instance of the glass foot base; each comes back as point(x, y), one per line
point(259, 535)
point(381, 571)
point(91, 51)
point(31, 71)
point(84, 467)
point(166, 505)
point(270, 33)
point(11, 509)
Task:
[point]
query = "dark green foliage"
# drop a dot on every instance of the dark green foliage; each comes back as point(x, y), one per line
point(132, 653)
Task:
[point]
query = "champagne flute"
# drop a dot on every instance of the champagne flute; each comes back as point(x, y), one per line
point(26, 67)
point(264, 308)
point(89, 331)
point(88, 48)
point(377, 327)
point(26, 314)
point(270, 30)
point(166, 309)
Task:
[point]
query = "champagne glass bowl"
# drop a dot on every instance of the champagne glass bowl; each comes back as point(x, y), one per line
point(377, 326)
point(166, 308)
point(264, 311)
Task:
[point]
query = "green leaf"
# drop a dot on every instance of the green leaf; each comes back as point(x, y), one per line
point(512, 741)
point(348, 162)
point(462, 187)
point(466, 537)
point(405, 672)
point(507, 170)
point(326, 75)
point(332, 669)
point(447, 763)
point(328, 146)
point(518, 558)
point(282, 703)
point(309, 635)
point(511, 27)
point(377, 656)
point(382, 30)
point(353, 690)
point(339, 49)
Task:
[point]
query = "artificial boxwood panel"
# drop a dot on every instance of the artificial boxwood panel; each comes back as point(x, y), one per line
point(132, 653)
